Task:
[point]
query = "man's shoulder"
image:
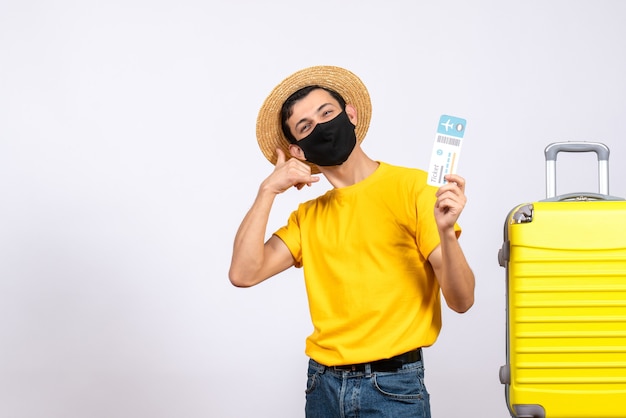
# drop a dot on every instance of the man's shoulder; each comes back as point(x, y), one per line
point(402, 171)
point(314, 201)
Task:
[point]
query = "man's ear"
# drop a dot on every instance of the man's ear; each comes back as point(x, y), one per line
point(296, 152)
point(351, 112)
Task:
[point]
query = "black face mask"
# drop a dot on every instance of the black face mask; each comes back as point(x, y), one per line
point(330, 143)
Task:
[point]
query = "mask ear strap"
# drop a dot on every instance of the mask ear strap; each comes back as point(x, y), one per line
point(296, 152)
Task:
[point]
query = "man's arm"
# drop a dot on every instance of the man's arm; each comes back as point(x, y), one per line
point(253, 259)
point(454, 274)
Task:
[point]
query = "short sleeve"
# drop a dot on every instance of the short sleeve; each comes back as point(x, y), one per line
point(290, 234)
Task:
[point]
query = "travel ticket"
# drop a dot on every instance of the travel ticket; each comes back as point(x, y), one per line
point(446, 149)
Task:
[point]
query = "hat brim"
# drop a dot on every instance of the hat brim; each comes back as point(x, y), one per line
point(269, 132)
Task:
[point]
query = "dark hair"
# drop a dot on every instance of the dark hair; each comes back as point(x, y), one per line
point(287, 110)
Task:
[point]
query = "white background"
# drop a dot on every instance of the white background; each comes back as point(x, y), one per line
point(128, 158)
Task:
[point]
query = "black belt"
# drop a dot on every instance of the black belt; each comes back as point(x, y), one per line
point(387, 365)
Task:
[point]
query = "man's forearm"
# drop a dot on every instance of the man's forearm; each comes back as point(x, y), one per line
point(248, 247)
point(457, 281)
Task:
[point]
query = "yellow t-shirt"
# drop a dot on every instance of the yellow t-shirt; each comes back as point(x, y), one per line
point(364, 248)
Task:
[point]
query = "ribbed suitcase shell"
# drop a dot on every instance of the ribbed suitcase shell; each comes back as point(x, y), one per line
point(566, 309)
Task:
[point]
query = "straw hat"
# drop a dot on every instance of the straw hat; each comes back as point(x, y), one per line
point(269, 132)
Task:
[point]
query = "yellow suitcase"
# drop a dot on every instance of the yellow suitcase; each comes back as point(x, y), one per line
point(565, 260)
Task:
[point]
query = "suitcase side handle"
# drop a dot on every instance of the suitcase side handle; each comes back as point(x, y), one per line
point(601, 150)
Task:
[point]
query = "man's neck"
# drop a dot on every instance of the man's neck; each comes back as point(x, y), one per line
point(356, 168)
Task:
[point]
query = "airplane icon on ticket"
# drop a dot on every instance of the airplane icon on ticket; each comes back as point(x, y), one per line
point(447, 125)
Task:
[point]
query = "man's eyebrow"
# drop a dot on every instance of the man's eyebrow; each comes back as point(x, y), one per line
point(319, 109)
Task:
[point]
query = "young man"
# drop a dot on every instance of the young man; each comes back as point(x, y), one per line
point(377, 249)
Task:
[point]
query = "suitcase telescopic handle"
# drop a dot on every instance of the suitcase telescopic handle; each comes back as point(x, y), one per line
point(601, 150)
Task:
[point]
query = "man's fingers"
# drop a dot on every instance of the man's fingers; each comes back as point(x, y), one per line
point(293, 171)
point(312, 179)
point(456, 179)
point(280, 156)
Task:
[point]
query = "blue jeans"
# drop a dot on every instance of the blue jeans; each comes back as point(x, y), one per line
point(334, 393)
